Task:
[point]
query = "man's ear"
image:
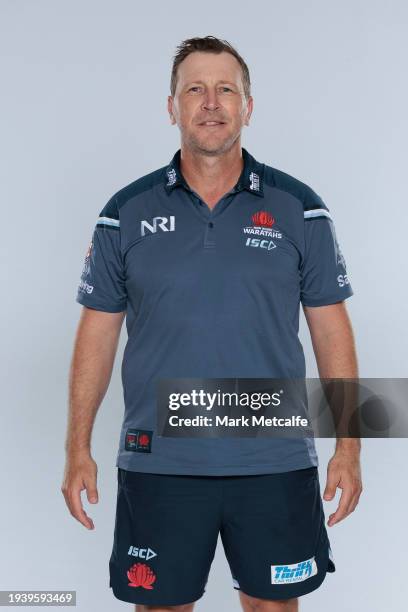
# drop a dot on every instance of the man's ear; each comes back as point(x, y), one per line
point(250, 106)
point(169, 109)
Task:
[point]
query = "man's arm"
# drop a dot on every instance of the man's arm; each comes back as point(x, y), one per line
point(333, 344)
point(94, 352)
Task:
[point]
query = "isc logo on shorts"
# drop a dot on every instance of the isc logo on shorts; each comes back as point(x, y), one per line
point(142, 553)
point(285, 574)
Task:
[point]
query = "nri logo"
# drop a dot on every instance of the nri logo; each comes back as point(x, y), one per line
point(163, 223)
point(297, 572)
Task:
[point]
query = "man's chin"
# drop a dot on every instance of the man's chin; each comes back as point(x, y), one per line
point(211, 146)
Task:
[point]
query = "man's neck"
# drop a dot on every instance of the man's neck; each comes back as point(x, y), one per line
point(212, 176)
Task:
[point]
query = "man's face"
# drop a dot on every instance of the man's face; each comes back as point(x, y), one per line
point(209, 88)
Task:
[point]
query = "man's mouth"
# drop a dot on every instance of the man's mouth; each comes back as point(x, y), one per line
point(212, 123)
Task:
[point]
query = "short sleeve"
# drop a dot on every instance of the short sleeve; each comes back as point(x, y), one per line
point(323, 275)
point(102, 283)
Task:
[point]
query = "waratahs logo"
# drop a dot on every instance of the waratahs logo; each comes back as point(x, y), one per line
point(87, 262)
point(262, 218)
point(262, 228)
point(138, 440)
point(84, 286)
point(144, 440)
point(88, 253)
point(141, 575)
point(262, 222)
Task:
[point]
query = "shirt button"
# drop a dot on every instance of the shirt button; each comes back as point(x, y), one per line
point(211, 224)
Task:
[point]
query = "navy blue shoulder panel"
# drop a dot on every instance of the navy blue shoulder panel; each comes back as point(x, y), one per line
point(112, 207)
point(144, 183)
point(110, 210)
point(286, 182)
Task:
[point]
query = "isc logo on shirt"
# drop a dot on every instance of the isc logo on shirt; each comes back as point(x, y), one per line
point(297, 572)
point(162, 223)
point(263, 244)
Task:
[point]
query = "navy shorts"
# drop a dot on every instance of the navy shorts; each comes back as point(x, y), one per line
point(272, 527)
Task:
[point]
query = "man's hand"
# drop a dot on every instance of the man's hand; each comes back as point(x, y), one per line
point(343, 471)
point(80, 473)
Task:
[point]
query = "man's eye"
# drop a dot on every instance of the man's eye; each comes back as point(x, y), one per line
point(195, 87)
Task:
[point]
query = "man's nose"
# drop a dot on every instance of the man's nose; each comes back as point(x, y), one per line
point(210, 100)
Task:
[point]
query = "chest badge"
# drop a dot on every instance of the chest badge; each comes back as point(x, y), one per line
point(261, 232)
point(164, 224)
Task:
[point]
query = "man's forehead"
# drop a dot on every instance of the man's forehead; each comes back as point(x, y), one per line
point(209, 67)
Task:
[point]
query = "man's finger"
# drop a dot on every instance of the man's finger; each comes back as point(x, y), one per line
point(343, 509)
point(76, 508)
point(356, 496)
point(333, 479)
point(91, 491)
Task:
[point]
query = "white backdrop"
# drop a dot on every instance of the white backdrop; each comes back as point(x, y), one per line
point(83, 113)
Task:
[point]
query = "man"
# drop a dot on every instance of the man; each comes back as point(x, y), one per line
point(210, 257)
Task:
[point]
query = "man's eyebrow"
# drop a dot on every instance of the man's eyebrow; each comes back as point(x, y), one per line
point(218, 82)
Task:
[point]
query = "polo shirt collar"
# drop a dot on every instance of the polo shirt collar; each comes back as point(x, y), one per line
point(251, 179)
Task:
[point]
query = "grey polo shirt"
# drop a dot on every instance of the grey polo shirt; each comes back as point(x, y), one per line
point(211, 294)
